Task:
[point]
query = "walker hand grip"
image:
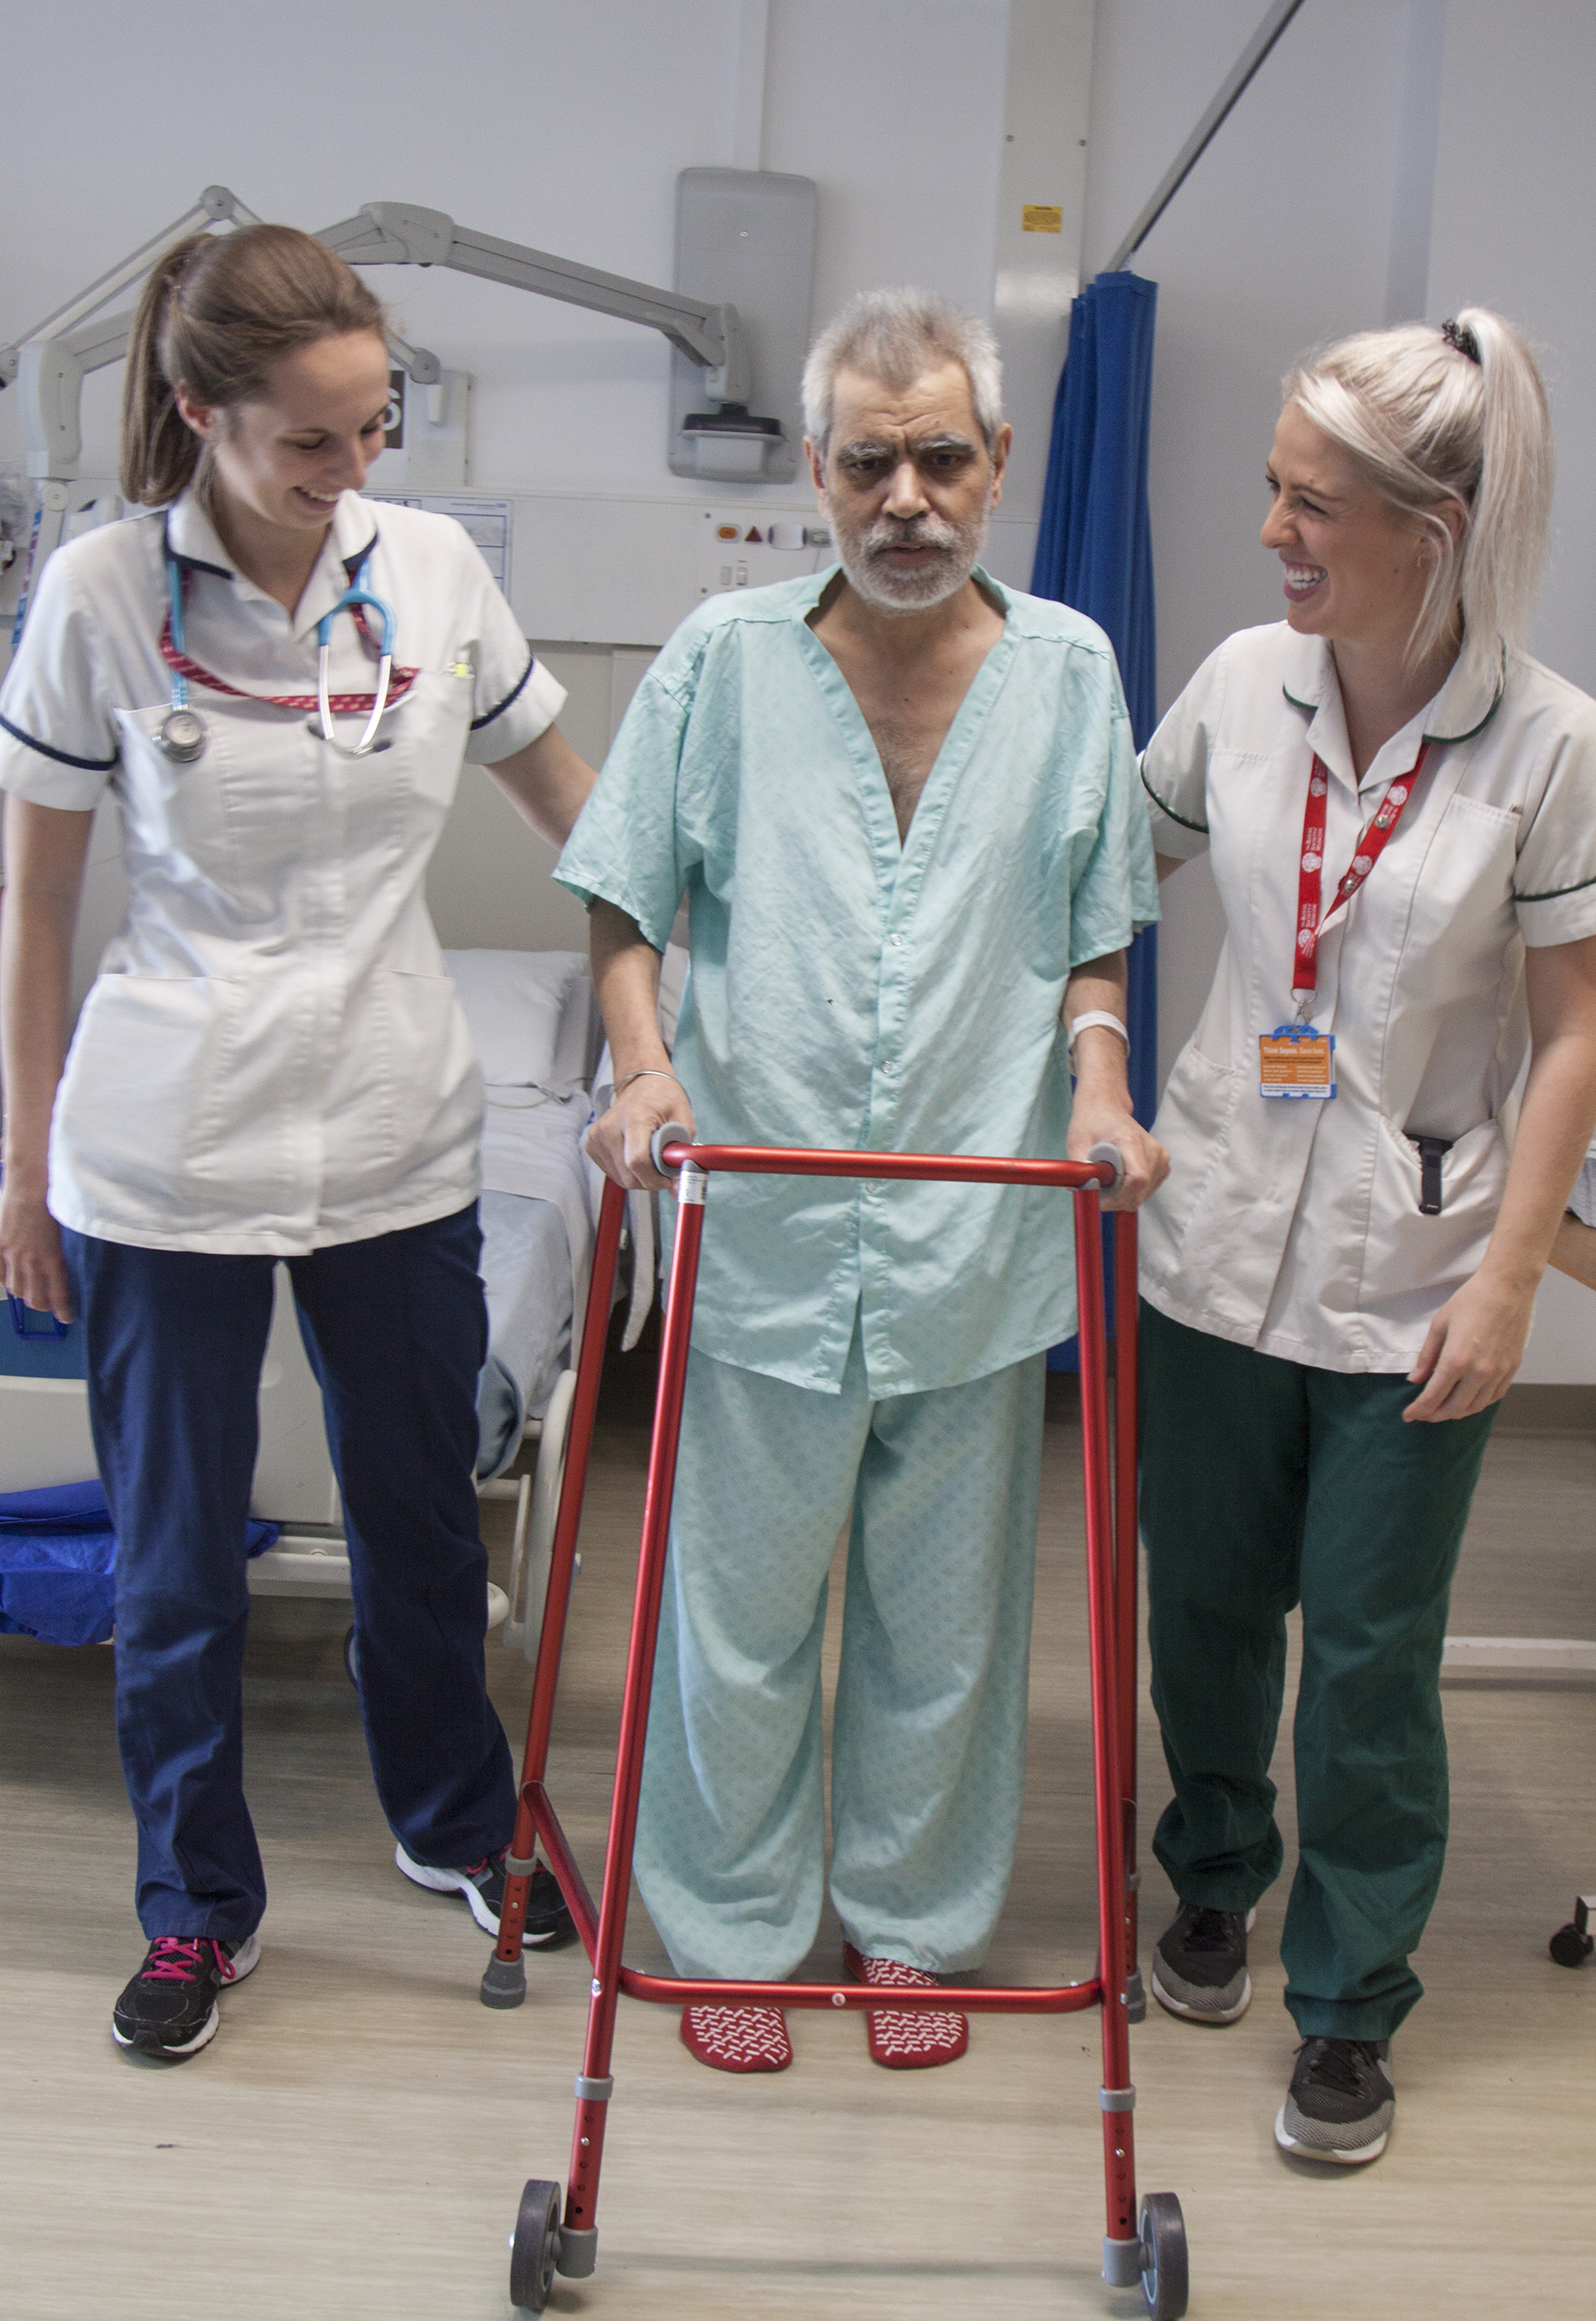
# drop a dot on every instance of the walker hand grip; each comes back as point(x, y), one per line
point(1112, 1154)
point(673, 1131)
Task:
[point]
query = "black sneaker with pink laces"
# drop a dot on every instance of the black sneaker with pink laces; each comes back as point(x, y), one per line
point(169, 2008)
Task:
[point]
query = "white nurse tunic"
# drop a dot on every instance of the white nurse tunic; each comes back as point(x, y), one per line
point(272, 1059)
point(1294, 1226)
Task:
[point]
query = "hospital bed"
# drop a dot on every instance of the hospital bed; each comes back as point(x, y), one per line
point(537, 1031)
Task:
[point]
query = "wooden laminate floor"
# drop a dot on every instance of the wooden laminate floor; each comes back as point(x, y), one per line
point(355, 2141)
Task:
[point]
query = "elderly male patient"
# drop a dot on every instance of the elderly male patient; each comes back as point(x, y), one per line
point(900, 801)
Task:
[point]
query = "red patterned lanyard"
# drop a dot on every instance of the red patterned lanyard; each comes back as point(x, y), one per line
point(349, 704)
point(1370, 847)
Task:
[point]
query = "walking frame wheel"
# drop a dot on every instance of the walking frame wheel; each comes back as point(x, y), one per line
point(534, 2245)
point(1164, 2278)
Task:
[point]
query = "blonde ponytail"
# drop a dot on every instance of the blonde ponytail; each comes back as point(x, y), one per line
point(1456, 415)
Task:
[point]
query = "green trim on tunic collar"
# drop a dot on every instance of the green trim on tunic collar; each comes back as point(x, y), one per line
point(1313, 707)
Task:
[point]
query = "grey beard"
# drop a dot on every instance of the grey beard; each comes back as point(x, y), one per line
point(911, 592)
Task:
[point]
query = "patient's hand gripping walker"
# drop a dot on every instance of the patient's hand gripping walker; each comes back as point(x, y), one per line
point(1148, 2248)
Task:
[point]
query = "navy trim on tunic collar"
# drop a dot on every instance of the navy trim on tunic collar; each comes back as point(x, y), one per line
point(351, 564)
point(192, 563)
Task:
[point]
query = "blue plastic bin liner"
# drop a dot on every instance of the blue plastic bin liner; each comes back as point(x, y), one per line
point(57, 1555)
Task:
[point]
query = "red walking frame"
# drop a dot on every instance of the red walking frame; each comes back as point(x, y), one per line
point(551, 2235)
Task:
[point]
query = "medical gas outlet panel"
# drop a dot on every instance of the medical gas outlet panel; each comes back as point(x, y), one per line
point(746, 548)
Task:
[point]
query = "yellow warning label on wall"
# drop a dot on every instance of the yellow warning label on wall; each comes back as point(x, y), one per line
point(1041, 217)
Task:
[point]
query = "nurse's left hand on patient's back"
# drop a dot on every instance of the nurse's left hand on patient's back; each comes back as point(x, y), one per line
point(31, 1255)
point(619, 1142)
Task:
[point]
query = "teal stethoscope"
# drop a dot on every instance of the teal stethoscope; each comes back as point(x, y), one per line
point(183, 736)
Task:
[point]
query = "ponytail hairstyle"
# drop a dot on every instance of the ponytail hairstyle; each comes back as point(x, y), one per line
point(217, 312)
point(1457, 413)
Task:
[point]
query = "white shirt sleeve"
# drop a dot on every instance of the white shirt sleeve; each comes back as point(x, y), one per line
point(1582, 1199)
point(515, 697)
point(1554, 885)
point(1174, 764)
point(59, 741)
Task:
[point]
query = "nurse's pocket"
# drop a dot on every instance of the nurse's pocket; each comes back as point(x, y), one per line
point(1410, 1249)
point(1194, 1121)
point(142, 1096)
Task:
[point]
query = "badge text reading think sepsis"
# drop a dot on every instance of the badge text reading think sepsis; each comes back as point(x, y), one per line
point(1296, 1061)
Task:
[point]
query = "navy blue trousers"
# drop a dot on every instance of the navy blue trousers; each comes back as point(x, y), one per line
point(396, 1328)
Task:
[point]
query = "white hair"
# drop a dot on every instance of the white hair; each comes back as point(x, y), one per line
point(896, 336)
point(1454, 415)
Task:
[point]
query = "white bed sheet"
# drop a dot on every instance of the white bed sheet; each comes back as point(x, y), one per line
point(536, 1221)
point(526, 1273)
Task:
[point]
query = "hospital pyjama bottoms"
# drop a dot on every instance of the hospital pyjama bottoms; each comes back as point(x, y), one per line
point(1265, 1483)
point(395, 1330)
point(928, 1733)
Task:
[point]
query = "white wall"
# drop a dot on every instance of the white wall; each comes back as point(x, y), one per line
point(558, 125)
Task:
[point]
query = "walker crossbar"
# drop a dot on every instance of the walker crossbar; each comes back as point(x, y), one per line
point(544, 2241)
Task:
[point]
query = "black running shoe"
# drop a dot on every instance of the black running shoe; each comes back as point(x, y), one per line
point(482, 1884)
point(1340, 2103)
point(169, 2008)
point(1200, 1965)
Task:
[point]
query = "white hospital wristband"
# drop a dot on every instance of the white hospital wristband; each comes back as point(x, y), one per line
point(1095, 1015)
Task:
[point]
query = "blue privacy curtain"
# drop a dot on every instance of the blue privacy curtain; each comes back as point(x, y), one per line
point(1094, 551)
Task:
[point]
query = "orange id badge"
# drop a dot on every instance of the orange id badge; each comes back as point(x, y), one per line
point(1295, 1061)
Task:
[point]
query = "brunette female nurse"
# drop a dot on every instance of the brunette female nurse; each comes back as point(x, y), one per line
point(271, 1064)
point(1400, 808)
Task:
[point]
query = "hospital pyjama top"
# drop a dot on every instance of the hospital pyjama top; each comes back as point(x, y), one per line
point(849, 990)
point(1295, 1226)
point(272, 1058)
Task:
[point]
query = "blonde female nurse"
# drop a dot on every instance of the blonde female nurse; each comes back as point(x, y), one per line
point(1399, 807)
point(271, 1064)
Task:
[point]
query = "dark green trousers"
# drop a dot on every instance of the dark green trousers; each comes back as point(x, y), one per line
point(1265, 1483)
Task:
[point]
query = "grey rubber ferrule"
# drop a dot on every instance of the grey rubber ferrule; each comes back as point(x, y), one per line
point(1116, 2099)
point(594, 2090)
point(1121, 2263)
point(503, 1984)
point(577, 2254)
point(517, 1865)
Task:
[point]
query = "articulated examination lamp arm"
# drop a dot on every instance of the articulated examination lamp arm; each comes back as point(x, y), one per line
point(51, 360)
point(397, 234)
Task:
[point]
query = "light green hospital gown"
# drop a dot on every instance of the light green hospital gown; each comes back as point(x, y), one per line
point(849, 990)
